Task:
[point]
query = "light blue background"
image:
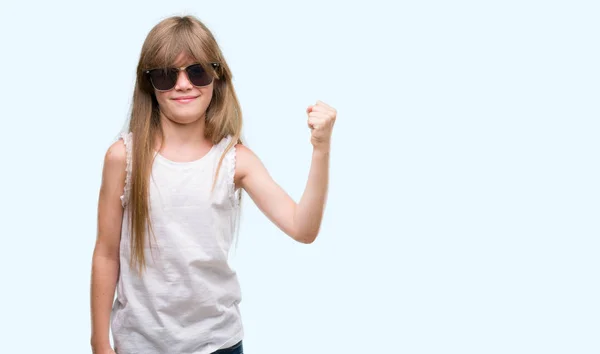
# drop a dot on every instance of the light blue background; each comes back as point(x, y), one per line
point(464, 199)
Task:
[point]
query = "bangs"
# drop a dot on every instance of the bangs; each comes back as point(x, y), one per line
point(184, 37)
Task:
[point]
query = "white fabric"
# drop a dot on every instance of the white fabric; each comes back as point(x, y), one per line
point(187, 300)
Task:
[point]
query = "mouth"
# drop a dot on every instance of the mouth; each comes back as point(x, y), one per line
point(185, 99)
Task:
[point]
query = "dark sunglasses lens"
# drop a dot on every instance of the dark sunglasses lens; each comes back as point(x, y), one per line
point(163, 79)
point(197, 75)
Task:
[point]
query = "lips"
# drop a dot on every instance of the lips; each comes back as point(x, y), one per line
point(185, 99)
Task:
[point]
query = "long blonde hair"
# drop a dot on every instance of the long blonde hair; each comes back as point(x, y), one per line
point(163, 44)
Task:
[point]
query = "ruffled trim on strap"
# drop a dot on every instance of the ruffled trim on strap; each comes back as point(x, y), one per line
point(229, 169)
point(127, 137)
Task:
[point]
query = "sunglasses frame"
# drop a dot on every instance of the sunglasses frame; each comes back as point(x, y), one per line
point(180, 69)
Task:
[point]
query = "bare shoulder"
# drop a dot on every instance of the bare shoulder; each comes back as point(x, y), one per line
point(245, 161)
point(116, 155)
point(243, 157)
point(243, 152)
point(115, 164)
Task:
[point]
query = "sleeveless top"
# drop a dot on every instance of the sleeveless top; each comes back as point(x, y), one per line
point(187, 299)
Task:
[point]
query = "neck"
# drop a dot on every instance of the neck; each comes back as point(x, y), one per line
point(177, 134)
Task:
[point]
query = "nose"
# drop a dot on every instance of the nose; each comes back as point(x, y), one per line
point(183, 83)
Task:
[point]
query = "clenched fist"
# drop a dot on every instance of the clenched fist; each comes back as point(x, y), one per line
point(321, 118)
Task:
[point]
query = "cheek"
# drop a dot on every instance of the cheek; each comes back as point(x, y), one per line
point(207, 92)
point(161, 98)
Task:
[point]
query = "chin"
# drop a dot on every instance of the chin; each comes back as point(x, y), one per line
point(184, 119)
point(186, 116)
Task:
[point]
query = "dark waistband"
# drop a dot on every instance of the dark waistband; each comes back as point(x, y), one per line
point(235, 349)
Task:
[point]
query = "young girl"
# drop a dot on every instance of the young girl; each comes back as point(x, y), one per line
point(170, 198)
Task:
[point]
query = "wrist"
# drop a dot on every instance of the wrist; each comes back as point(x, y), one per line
point(322, 150)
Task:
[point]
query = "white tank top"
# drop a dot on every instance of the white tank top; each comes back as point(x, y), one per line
point(187, 298)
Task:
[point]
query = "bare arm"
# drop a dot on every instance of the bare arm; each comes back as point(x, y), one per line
point(301, 221)
point(310, 209)
point(105, 262)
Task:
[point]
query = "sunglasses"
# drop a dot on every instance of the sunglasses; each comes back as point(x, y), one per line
point(165, 79)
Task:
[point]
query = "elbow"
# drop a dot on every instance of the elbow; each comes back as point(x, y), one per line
point(305, 231)
point(307, 238)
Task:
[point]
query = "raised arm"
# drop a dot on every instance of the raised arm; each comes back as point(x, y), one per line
point(302, 220)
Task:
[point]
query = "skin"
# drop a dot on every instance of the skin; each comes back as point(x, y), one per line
point(183, 126)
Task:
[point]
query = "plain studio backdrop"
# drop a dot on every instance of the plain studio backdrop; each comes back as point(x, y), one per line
point(464, 196)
